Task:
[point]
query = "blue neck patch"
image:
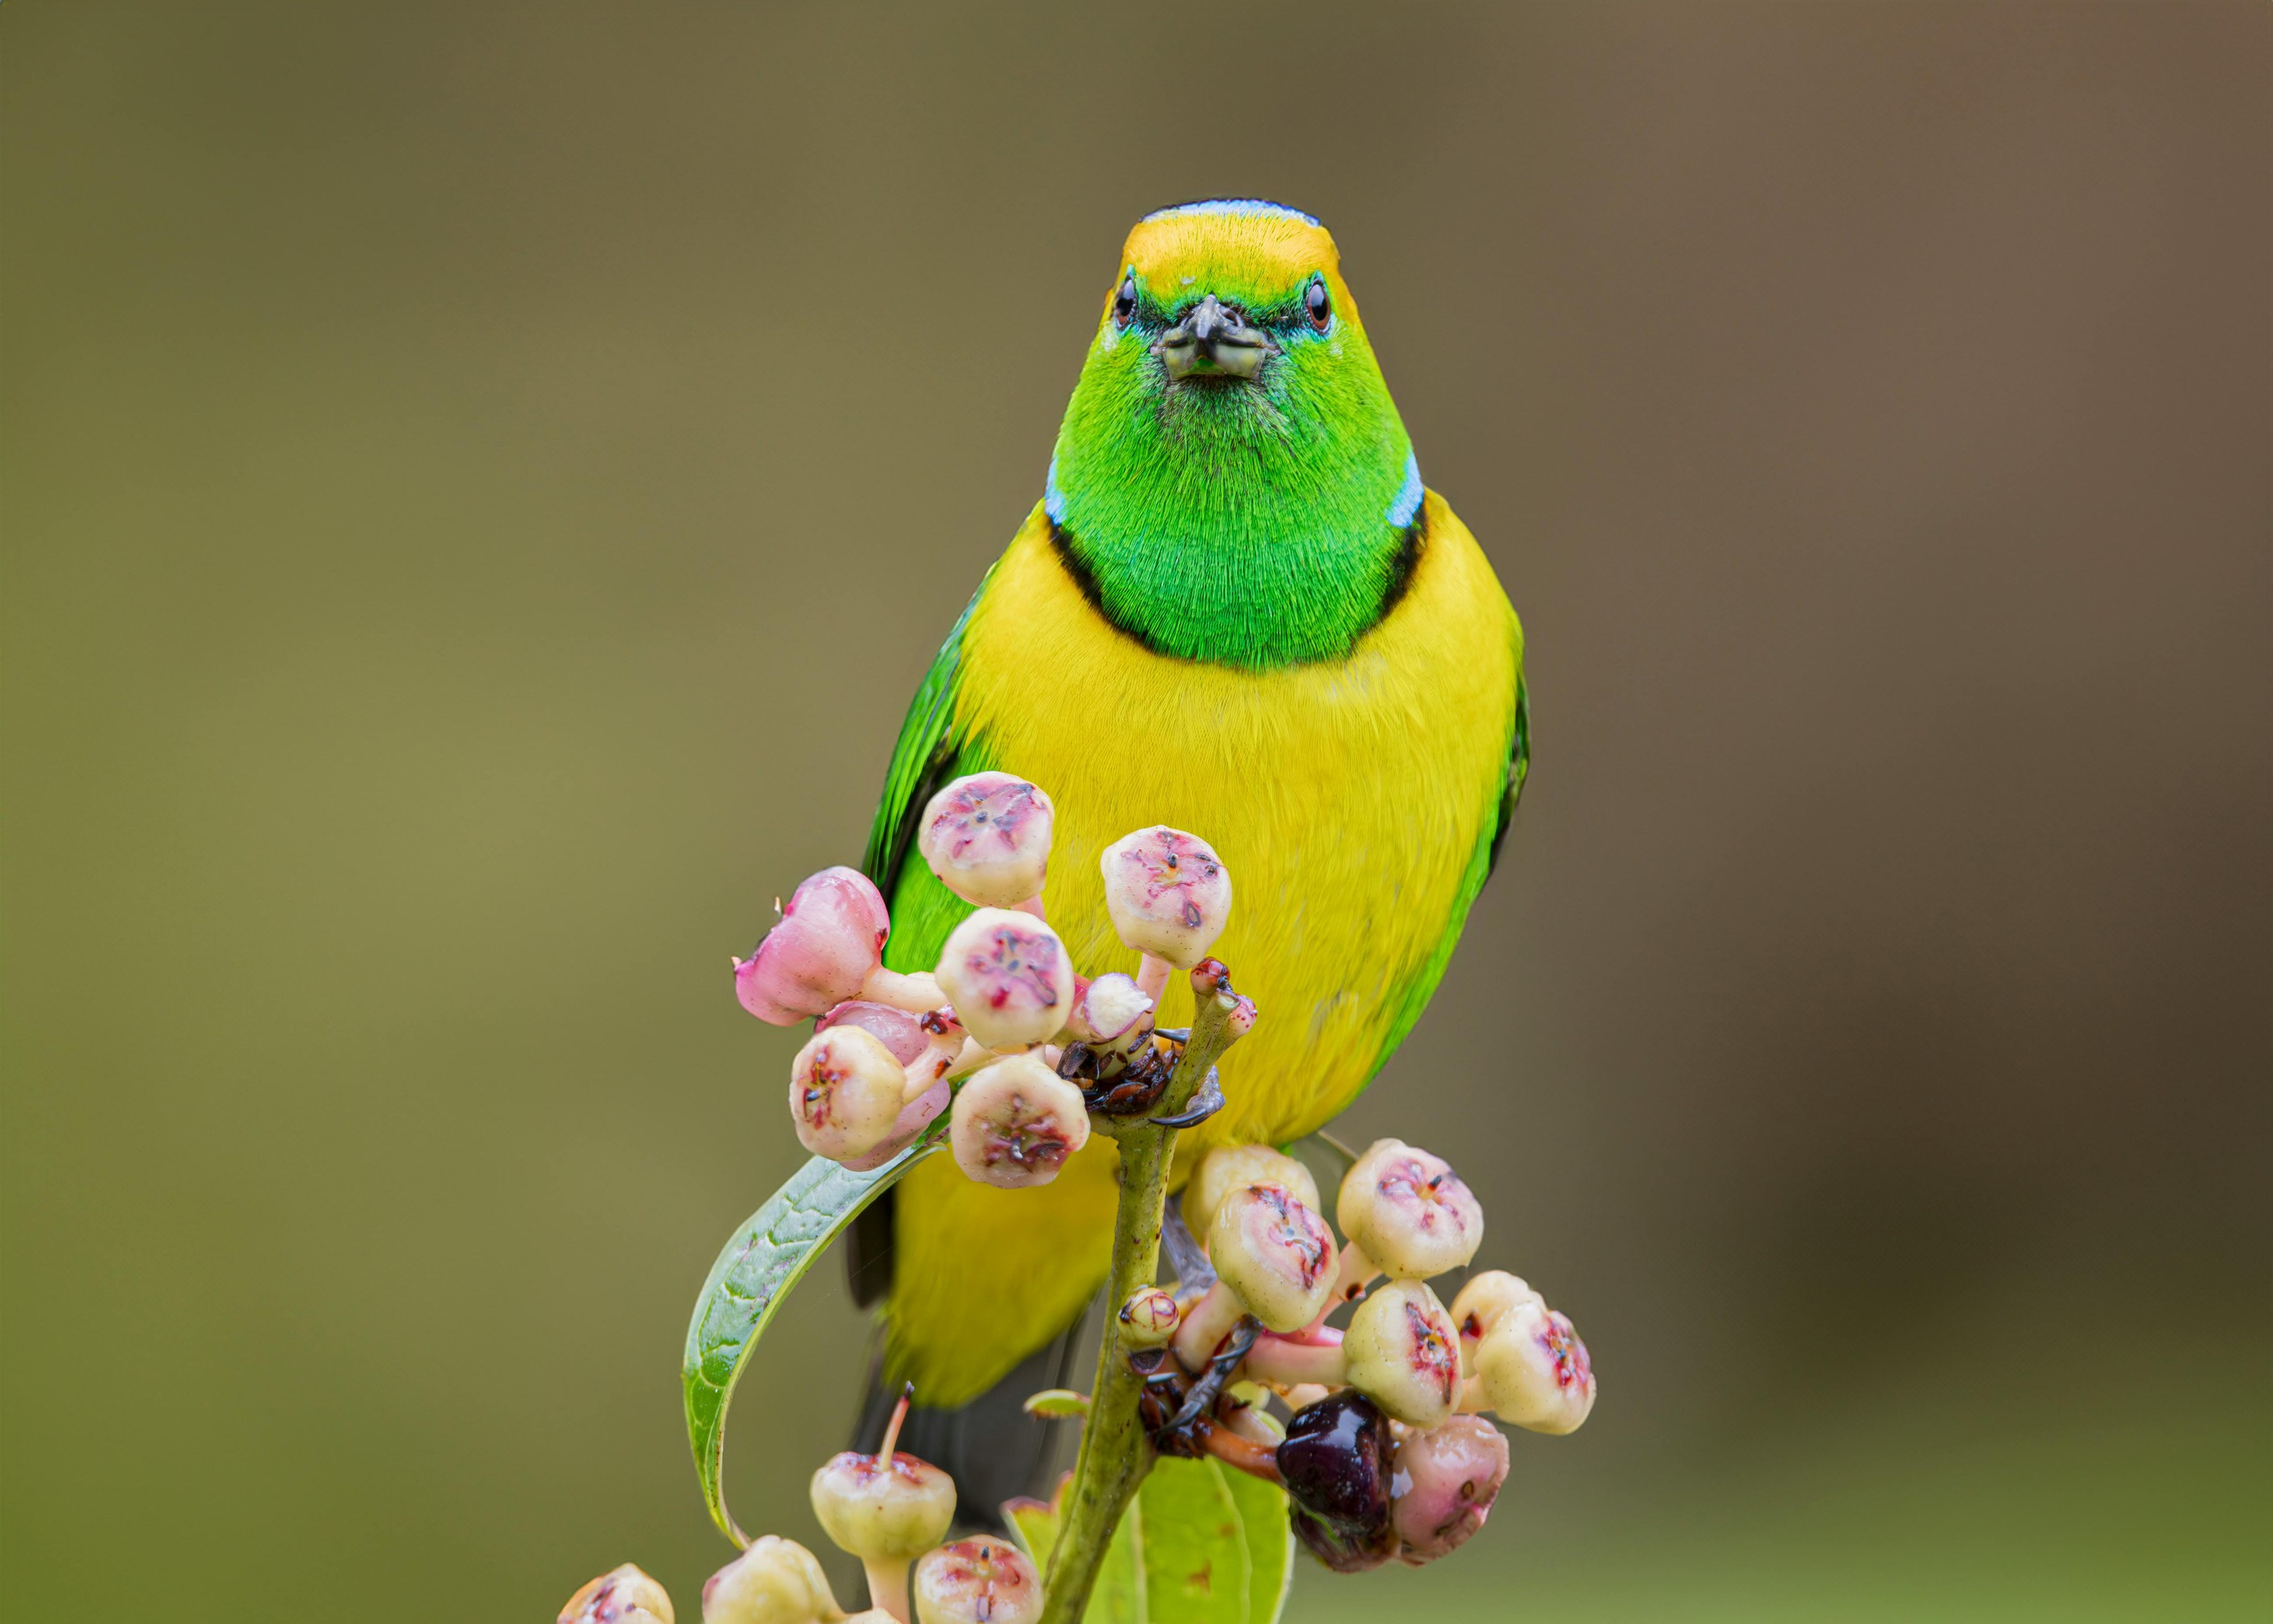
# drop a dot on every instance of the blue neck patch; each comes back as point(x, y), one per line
point(1402, 506)
point(1053, 500)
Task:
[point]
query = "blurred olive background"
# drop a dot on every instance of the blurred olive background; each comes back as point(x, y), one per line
point(481, 483)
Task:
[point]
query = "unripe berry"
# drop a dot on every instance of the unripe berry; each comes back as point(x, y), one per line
point(1168, 892)
point(1534, 1371)
point(1009, 977)
point(987, 837)
point(879, 1512)
point(885, 1509)
point(976, 1581)
point(827, 941)
point(1228, 1167)
point(626, 1595)
point(1408, 1211)
point(1446, 1479)
point(1403, 1353)
point(1148, 1319)
point(1014, 1123)
point(775, 1581)
point(845, 1092)
point(1488, 1296)
point(1275, 1254)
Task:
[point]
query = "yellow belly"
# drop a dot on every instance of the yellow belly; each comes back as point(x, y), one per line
point(1349, 800)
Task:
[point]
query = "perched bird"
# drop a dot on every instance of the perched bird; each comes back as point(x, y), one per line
point(1236, 610)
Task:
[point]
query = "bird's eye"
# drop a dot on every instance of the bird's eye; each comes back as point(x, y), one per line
point(1124, 303)
point(1315, 302)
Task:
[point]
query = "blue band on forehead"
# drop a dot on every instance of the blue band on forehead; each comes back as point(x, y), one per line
point(1253, 206)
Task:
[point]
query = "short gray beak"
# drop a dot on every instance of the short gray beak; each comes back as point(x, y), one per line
point(1212, 340)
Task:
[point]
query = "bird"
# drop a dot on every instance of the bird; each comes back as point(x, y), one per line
point(1236, 610)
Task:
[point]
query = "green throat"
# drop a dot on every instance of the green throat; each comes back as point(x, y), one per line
point(1254, 524)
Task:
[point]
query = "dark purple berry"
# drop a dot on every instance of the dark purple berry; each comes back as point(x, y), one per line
point(1337, 1461)
point(1344, 1553)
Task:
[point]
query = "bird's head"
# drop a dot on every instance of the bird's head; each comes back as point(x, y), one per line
point(1231, 317)
point(1231, 420)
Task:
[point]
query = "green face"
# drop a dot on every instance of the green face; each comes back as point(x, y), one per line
point(1231, 482)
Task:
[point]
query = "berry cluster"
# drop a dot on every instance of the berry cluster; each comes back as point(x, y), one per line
point(1385, 1454)
point(1002, 1030)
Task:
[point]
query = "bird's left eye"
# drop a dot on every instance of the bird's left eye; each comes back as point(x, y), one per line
point(1124, 303)
point(1316, 305)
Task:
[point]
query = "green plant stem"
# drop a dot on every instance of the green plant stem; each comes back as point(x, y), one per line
point(1114, 1455)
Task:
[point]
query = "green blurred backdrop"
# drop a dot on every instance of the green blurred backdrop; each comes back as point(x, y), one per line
point(481, 482)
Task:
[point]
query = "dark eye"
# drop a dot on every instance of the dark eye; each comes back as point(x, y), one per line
point(1124, 303)
point(1320, 307)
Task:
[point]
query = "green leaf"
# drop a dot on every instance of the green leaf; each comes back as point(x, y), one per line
point(1270, 1544)
point(768, 1254)
point(1194, 1545)
point(1119, 1598)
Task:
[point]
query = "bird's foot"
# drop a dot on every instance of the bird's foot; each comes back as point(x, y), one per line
point(1177, 1409)
point(1204, 1104)
point(1114, 1085)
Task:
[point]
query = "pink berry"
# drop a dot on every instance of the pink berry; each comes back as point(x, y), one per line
point(1408, 1211)
point(1014, 1123)
point(1403, 1353)
point(773, 1581)
point(1446, 1479)
point(1009, 977)
point(845, 1092)
point(976, 1581)
point(627, 1595)
point(828, 940)
point(1534, 1371)
point(1168, 892)
point(987, 838)
point(1275, 1254)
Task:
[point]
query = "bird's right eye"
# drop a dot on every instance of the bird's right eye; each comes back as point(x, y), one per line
point(1124, 303)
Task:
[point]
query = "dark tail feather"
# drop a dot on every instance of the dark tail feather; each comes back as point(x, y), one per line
point(992, 1448)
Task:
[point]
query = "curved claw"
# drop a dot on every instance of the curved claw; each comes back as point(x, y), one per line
point(1201, 1399)
point(1204, 1104)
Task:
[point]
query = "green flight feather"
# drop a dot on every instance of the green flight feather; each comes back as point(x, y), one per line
point(923, 760)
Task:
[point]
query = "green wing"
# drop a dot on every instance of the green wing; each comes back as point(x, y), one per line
point(923, 760)
point(932, 750)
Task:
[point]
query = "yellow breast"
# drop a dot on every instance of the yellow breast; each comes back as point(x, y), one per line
point(1347, 798)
